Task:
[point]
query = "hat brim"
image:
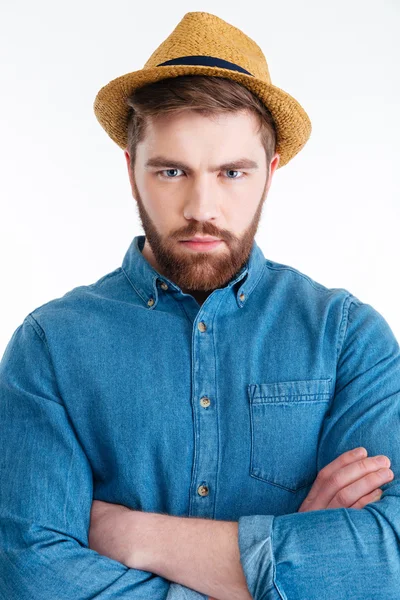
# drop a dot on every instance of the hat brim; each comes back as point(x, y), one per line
point(293, 125)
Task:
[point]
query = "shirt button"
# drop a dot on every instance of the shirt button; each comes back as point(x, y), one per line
point(202, 490)
point(242, 297)
point(205, 402)
point(164, 285)
point(202, 326)
point(150, 302)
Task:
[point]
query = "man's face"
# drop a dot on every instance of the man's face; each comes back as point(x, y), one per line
point(200, 197)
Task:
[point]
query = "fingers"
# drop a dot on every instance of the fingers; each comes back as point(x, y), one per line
point(336, 479)
point(343, 460)
point(317, 495)
point(372, 497)
point(347, 496)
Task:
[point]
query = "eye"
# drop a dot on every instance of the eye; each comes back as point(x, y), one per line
point(167, 171)
point(234, 171)
point(161, 173)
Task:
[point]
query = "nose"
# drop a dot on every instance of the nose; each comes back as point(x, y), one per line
point(201, 202)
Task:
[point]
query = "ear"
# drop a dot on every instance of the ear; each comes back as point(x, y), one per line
point(273, 166)
point(128, 164)
point(128, 158)
point(275, 162)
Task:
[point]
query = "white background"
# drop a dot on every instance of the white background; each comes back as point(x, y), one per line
point(67, 212)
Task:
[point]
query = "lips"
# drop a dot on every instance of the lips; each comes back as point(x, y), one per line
point(202, 240)
point(202, 246)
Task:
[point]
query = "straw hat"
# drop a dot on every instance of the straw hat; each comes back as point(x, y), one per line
point(204, 44)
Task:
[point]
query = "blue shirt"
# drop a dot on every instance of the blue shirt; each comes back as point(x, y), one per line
point(130, 392)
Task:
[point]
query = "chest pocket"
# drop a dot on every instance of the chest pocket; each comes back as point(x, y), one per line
point(286, 418)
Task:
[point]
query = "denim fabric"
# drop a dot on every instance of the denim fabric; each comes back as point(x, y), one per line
point(128, 391)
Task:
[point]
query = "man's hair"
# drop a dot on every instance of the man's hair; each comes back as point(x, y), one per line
point(201, 93)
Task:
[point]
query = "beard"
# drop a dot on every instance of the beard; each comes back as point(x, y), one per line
point(196, 270)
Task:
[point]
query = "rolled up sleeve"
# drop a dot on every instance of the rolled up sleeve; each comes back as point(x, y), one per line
point(343, 552)
point(46, 493)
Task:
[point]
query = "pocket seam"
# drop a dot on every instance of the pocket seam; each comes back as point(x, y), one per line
point(291, 390)
point(294, 392)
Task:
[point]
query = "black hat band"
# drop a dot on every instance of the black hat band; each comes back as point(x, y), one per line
point(205, 61)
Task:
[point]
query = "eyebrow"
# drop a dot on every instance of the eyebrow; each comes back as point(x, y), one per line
point(163, 161)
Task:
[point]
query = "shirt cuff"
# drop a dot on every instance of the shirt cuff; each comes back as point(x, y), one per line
point(181, 592)
point(256, 556)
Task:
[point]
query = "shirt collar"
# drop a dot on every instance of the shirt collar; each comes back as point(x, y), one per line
point(148, 282)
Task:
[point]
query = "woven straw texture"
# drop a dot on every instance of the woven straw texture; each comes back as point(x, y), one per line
point(205, 34)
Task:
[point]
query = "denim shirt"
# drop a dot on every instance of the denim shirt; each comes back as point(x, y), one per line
point(128, 391)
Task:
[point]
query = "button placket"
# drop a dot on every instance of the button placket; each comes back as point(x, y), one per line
point(203, 497)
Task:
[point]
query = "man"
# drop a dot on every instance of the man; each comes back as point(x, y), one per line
point(196, 423)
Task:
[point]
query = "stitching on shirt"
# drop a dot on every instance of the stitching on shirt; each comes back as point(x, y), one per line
point(133, 286)
point(262, 272)
point(182, 307)
point(30, 320)
point(99, 282)
point(69, 293)
point(281, 594)
point(92, 286)
point(344, 323)
point(217, 403)
point(315, 284)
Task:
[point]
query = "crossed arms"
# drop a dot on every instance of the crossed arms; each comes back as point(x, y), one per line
point(46, 494)
point(204, 554)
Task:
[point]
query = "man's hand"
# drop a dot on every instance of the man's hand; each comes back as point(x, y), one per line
point(349, 481)
point(109, 531)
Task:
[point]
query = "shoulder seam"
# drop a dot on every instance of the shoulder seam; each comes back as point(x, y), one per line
point(317, 286)
point(99, 282)
point(350, 299)
point(30, 320)
point(67, 294)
